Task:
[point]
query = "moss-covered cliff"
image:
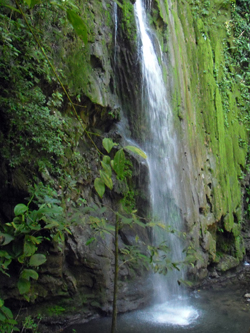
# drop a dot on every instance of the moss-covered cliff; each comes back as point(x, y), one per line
point(207, 102)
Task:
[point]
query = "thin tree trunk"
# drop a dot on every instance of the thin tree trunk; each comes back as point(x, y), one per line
point(114, 313)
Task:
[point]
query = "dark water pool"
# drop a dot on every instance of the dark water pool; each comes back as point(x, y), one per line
point(208, 311)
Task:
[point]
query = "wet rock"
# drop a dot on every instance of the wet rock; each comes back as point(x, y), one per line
point(227, 262)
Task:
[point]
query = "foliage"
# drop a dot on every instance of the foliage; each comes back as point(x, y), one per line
point(7, 323)
point(27, 125)
point(24, 236)
point(30, 122)
point(118, 165)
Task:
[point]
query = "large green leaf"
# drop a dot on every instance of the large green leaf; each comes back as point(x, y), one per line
point(7, 238)
point(29, 248)
point(23, 286)
point(107, 169)
point(106, 179)
point(119, 163)
point(7, 312)
point(20, 209)
point(108, 144)
point(136, 150)
point(28, 2)
point(29, 273)
point(99, 187)
point(37, 259)
point(78, 25)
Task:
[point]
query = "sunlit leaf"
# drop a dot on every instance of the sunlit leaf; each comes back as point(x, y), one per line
point(108, 144)
point(28, 2)
point(106, 179)
point(136, 150)
point(78, 25)
point(107, 169)
point(20, 209)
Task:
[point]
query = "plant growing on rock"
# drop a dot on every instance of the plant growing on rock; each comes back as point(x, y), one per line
point(22, 241)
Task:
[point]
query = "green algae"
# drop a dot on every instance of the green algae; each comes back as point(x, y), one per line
point(204, 100)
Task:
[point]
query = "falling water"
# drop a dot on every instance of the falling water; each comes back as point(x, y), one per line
point(162, 150)
point(115, 17)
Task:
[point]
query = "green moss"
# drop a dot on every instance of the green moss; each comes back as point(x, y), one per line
point(207, 102)
point(128, 20)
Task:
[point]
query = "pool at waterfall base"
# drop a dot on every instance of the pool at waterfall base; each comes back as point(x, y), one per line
point(208, 311)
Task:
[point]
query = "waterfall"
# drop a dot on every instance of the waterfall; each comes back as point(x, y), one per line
point(115, 18)
point(162, 150)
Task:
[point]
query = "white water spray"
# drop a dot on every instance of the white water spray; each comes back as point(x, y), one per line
point(115, 17)
point(162, 151)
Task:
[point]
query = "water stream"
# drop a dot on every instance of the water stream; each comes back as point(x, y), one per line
point(161, 147)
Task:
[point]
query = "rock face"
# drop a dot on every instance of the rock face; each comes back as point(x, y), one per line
point(76, 283)
point(210, 154)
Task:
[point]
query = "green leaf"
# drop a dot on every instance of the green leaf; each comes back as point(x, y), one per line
point(107, 169)
point(2, 317)
point(23, 286)
point(1, 302)
point(136, 150)
point(108, 144)
point(10, 7)
point(51, 225)
point(7, 312)
point(29, 273)
point(89, 241)
point(175, 266)
point(106, 159)
point(119, 163)
point(99, 187)
point(5, 254)
point(7, 238)
point(28, 2)
point(29, 248)
point(34, 240)
point(34, 2)
point(106, 179)
point(20, 209)
point(110, 227)
point(37, 259)
point(141, 224)
point(78, 25)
